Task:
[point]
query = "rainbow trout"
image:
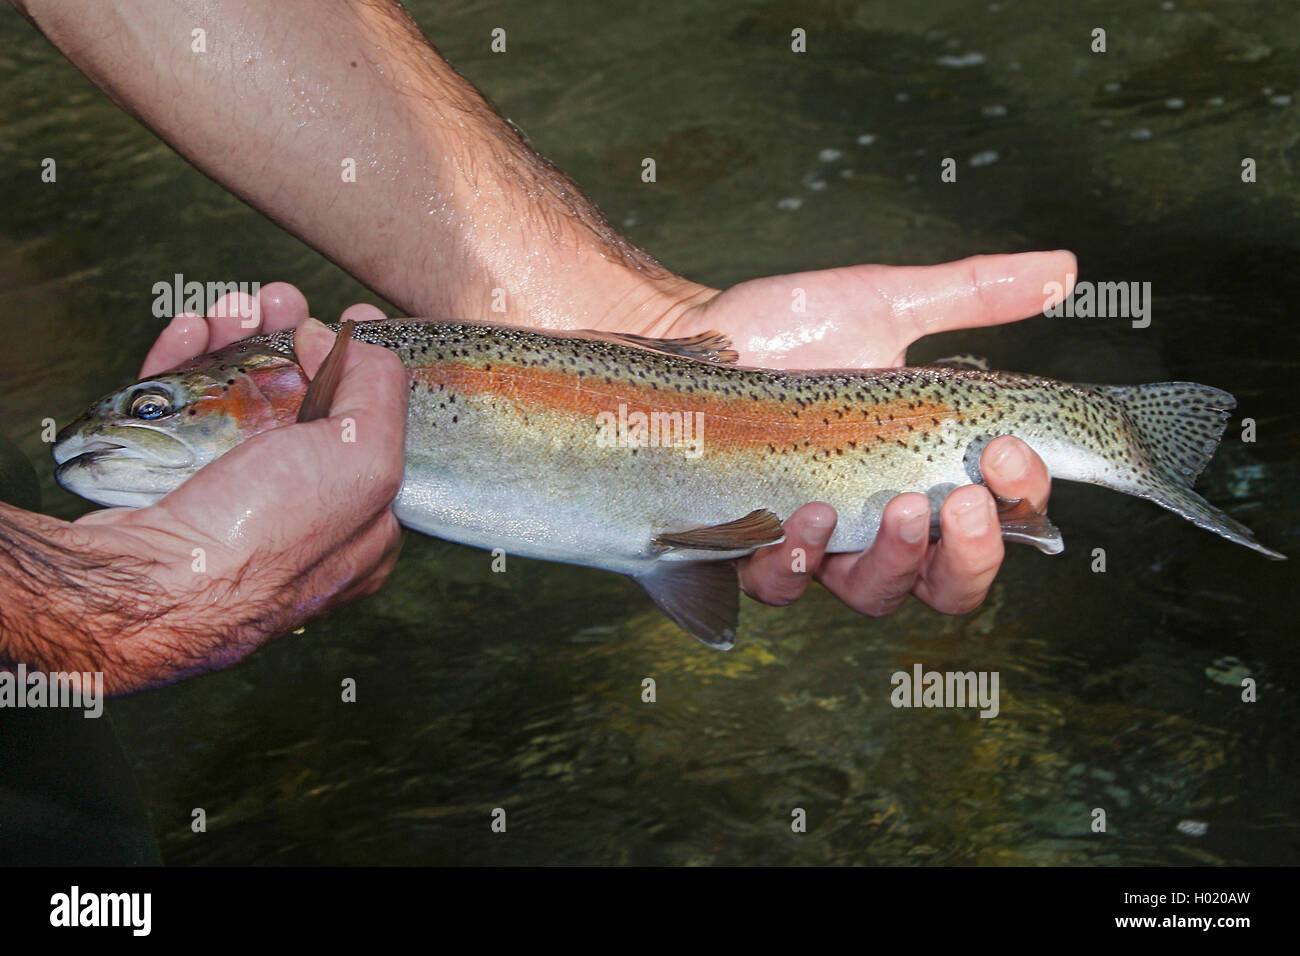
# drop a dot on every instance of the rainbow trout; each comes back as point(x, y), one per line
point(659, 458)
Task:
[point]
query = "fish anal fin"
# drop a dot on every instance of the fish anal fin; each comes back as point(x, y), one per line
point(964, 362)
point(755, 530)
point(1022, 524)
point(320, 393)
point(701, 597)
point(712, 346)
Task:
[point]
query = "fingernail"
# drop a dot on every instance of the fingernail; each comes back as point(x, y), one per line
point(973, 517)
point(818, 535)
point(914, 527)
point(815, 525)
point(1011, 462)
point(311, 326)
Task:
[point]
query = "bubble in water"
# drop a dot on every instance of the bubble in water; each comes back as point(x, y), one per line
point(814, 182)
point(1193, 827)
point(866, 139)
point(1175, 103)
point(996, 109)
point(1282, 99)
point(1141, 134)
point(973, 58)
point(846, 174)
point(1228, 670)
point(985, 157)
point(902, 97)
point(789, 204)
point(1214, 101)
point(1111, 87)
point(829, 155)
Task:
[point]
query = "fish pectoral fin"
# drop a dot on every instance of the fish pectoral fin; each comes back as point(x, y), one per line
point(701, 597)
point(755, 530)
point(712, 346)
point(320, 393)
point(963, 362)
point(1022, 524)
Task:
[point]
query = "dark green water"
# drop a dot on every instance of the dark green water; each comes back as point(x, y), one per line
point(481, 690)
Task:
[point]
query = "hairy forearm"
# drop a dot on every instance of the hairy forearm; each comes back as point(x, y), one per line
point(448, 206)
point(69, 603)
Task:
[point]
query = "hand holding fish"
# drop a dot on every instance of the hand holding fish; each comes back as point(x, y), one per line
point(276, 531)
point(866, 317)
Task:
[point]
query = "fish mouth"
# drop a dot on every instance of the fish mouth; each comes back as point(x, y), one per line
point(100, 448)
point(78, 449)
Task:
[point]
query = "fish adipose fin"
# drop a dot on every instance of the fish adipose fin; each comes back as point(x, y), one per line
point(1022, 524)
point(1178, 425)
point(964, 363)
point(711, 346)
point(320, 393)
point(702, 598)
point(756, 529)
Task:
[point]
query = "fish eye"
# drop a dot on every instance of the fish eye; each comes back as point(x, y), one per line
point(149, 405)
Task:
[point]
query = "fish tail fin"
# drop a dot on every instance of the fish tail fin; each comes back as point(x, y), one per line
point(1178, 426)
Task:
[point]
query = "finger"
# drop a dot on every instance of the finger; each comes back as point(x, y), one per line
point(876, 581)
point(981, 290)
point(389, 535)
point(370, 404)
point(779, 574)
point(184, 337)
point(962, 566)
point(335, 577)
point(362, 312)
point(103, 516)
point(1013, 472)
point(283, 307)
point(235, 316)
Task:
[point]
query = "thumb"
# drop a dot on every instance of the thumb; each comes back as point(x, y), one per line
point(312, 341)
point(981, 290)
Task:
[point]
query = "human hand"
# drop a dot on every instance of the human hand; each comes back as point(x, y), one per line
point(866, 317)
point(281, 535)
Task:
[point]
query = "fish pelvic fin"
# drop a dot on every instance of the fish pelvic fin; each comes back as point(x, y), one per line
point(1178, 426)
point(757, 529)
point(701, 597)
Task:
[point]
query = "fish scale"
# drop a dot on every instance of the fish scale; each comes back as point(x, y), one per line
point(551, 445)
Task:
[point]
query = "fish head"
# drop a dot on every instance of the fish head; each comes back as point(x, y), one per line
point(137, 444)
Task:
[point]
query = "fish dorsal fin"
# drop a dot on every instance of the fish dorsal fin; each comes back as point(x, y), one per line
point(964, 362)
point(1022, 524)
point(711, 346)
point(756, 529)
point(320, 393)
point(702, 598)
